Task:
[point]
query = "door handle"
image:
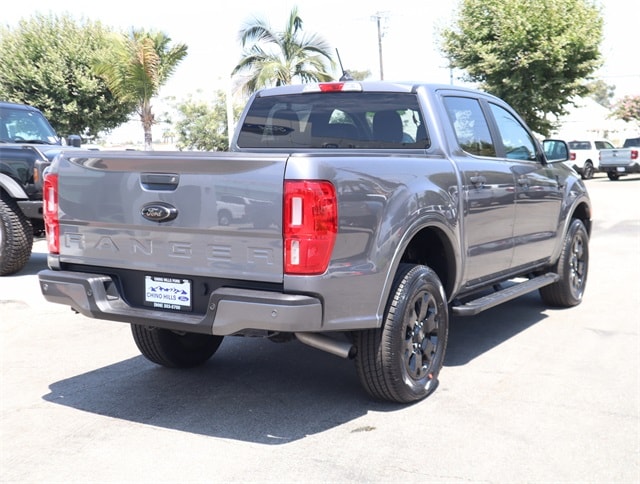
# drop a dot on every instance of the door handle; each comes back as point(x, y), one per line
point(478, 180)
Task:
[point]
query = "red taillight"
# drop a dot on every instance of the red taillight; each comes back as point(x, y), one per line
point(634, 154)
point(572, 156)
point(310, 226)
point(50, 212)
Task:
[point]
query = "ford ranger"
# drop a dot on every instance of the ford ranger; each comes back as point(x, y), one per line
point(377, 210)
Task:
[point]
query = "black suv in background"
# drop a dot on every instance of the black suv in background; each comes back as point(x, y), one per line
point(28, 143)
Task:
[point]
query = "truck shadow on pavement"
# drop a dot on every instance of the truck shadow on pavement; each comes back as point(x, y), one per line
point(251, 390)
point(258, 391)
point(472, 336)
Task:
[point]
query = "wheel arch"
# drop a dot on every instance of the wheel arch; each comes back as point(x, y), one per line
point(433, 247)
point(582, 211)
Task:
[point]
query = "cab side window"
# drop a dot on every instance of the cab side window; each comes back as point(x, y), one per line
point(470, 125)
point(516, 140)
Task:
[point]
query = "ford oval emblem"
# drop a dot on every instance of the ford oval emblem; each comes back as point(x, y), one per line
point(159, 211)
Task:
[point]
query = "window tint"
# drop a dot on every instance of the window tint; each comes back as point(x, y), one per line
point(470, 125)
point(580, 145)
point(603, 145)
point(517, 143)
point(335, 121)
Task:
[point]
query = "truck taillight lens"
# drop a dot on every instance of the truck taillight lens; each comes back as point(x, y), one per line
point(310, 226)
point(572, 156)
point(50, 213)
point(634, 154)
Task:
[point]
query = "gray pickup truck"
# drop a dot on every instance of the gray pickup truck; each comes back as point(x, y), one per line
point(377, 211)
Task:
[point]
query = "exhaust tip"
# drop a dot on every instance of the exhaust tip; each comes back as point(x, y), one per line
point(319, 341)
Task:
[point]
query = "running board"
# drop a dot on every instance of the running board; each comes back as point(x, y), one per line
point(503, 295)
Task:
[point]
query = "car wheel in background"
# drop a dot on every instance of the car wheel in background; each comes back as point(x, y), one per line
point(16, 237)
point(587, 171)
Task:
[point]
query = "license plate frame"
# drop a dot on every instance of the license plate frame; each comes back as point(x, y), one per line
point(168, 292)
point(620, 169)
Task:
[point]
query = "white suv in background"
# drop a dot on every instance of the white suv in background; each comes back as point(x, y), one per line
point(584, 155)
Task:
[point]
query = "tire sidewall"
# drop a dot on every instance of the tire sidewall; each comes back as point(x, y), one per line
point(576, 231)
point(416, 280)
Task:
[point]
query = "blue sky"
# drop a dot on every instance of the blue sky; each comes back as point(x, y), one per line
point(409, 31)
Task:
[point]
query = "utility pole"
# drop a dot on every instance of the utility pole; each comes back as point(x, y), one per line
point(377, 17)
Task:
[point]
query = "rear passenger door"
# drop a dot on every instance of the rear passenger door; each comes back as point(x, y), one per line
point(538, 193)
point(488, 190)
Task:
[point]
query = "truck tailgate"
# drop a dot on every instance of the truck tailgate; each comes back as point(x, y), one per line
point(164, 214)
point(618, 157)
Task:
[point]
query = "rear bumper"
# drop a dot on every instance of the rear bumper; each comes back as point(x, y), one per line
point(31, 208)
point(631, 168)
point(230, 310)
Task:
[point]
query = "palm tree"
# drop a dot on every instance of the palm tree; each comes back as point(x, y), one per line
point(277, 58)
point(143, 63)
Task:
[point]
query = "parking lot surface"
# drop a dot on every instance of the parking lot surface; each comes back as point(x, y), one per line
point(527, 393)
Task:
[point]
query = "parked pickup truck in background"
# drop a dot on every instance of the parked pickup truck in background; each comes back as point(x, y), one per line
point(618, 162)
point(381, 209)
point(584, 155)
point(28, 143)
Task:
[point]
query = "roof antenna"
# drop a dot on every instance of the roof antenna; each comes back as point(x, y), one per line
point(345, 75)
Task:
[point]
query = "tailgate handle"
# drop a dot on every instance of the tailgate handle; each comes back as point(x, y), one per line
point(159, 181)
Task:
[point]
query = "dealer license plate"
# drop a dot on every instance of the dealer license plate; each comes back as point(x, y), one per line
point(168, 293)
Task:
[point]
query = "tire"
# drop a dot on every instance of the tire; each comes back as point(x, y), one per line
point(572, 267)
point(174, 350)
point(224, 218)
point(587, 171)
point(16, 237)
point(613, 176)
point(400, 361)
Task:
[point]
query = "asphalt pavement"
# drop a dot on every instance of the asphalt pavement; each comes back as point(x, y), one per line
point(527, 394)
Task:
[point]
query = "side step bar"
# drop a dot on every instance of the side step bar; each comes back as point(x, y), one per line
point(476, 306)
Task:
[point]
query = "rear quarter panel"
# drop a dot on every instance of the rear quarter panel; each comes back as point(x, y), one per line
point(383, 200)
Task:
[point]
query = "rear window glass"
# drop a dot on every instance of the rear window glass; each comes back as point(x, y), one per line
point(335, 121)
point(580, 145)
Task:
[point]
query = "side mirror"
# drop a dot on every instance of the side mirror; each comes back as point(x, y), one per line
point(555, 150)
point(74, 140)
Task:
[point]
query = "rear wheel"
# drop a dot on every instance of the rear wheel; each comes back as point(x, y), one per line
point(16, 237)
point(224, 217)
point(613, 175)
point(587, 171)
point(572, 267)
point(173, 349)
point(400, 361)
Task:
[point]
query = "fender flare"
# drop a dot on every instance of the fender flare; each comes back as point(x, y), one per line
point(12, 187)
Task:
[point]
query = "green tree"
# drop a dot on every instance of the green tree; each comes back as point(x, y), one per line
point(47, 62)
point(203, 126)
point(627, 109)
point(601, 92)
point(537, 56)
point(140, 65)
point(272, 58)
